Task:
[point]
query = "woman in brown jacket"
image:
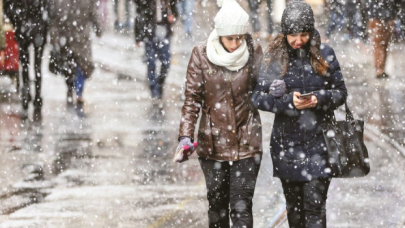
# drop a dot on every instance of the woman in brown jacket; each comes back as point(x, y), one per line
point(221, 75)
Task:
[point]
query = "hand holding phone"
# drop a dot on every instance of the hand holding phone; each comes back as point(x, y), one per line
point(306, 96)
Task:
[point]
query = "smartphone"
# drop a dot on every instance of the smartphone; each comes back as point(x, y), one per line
point(306, 96)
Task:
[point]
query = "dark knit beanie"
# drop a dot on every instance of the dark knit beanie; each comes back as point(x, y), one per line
point(297, 17)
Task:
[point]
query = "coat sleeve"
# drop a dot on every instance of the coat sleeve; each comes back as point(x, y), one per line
point(335, 96)
point(194, 96)
point(258, 58)
point(264, 101)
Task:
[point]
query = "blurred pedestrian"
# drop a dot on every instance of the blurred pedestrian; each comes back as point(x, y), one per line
point(363, 20)
point(71, 37)
point(336, 16)
point(127, 15)
point(31, 25)
point(185, 11)
point(352, 19)
point(401, 19)
point(297, 144)
point(382, 14)
point(153, 27)
point(2, 35)
point(221, 75)
point(254, 6)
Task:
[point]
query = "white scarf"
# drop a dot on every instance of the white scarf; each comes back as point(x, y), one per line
point(219, 56)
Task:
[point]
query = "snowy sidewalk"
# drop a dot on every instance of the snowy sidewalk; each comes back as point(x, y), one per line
point(114, 169)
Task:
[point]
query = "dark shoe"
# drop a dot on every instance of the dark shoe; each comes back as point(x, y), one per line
point(157, 110)
point(37, 116)
point(69, 98)
point(382, 76)
point(79, 108)
point(127, 25)
point(37, 109)
point(33, 172)
point(189, 36)
point(24, 114)
point(116, 26)
point(25, 98)
point(37, 102)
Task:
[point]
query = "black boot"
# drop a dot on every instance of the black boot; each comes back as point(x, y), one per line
point(69, 98)
point(79, 108)
point(37, 109)
point(25, 99)
point(157, 110)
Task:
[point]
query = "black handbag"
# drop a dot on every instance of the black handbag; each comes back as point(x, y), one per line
point(347, 153)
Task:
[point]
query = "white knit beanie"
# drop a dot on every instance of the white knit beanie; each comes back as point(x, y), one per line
point(231, 19)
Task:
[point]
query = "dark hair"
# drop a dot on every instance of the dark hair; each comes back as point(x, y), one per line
point(277, 51)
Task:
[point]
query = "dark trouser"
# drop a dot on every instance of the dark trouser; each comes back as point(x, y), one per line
point(69, 70)
point(351, 19)
point(336, 18)
point(306, 202)
point(79, 81)
point(157, 49)
point(254, 11)
point(401, 17)
point(232, 185)
point(38, 41)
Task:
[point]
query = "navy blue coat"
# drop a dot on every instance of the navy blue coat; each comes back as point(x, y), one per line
point(297, 146)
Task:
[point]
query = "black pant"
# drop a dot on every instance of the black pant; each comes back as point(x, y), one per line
point(38, 41)
point(232, 185)
point(254, 6)
point(306, 202)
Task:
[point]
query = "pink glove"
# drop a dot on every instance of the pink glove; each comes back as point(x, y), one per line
point(183, 152)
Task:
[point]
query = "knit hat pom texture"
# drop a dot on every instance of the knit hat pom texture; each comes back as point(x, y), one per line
point(297, 17)
point(231, 19)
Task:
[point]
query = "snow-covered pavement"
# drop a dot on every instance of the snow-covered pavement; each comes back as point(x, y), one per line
point(113, 168)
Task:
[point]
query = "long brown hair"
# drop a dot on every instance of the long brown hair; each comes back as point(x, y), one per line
point(277, 51)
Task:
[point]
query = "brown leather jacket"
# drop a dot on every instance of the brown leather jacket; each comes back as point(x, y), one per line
point(230, 126)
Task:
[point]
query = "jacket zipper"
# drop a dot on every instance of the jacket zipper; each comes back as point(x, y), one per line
point(303, 84)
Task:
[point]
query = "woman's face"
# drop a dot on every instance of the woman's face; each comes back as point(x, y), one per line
point(231, 43)
point(298, 40)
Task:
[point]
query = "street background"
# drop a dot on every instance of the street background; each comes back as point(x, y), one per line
point(113, 168)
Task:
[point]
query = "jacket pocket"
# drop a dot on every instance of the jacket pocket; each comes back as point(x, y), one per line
point(245, 131)
point(205, 133)
point(217, 141)
point(251, 133)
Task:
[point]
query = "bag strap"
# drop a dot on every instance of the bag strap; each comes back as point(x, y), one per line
point(349, 115)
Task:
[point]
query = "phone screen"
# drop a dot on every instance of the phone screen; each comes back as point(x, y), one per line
point(306, 96)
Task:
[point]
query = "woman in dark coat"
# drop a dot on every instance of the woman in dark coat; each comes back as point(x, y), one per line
point(70, 33)
point(297, 146)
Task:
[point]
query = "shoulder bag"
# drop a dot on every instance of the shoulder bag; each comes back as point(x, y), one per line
point(347, 153)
